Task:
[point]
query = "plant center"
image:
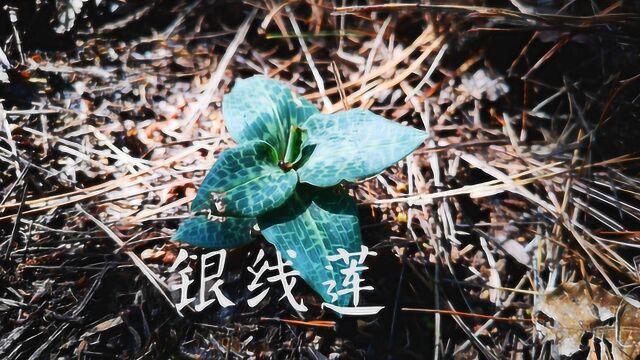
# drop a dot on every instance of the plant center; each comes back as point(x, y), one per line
point(292, 152)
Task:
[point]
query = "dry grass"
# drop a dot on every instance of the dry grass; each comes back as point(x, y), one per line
point(528, 181)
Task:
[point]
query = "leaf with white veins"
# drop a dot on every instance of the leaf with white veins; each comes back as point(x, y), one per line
point(245, 181)
point(353, 146)
point(223, 234)
point(259, 108)
point(315, 223)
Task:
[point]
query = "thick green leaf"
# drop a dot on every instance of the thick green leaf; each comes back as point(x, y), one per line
point(230, 233)
point(259, 108)
point(245, 181)
point(353, 145)
point(315, 223)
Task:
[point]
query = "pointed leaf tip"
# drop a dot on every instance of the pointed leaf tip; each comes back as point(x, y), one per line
point(353, 146)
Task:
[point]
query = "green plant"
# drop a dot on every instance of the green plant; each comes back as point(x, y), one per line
point(285, 175)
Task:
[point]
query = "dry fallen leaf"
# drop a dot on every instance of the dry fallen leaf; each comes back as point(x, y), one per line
point(577, 309)
point(103, 326)
point(152, 254)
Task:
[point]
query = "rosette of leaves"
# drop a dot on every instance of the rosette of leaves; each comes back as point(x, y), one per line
point(285, 175)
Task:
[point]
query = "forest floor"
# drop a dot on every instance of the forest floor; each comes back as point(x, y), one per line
point(512, 233)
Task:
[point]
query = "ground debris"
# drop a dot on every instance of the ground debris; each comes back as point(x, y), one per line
point(581, 309)
point(110, 117)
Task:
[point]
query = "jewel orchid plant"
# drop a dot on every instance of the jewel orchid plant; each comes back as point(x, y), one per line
point(285, 175)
